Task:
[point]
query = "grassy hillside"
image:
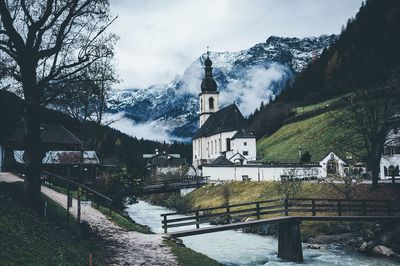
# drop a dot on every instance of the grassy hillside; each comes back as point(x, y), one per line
point(211, 195)
point(318, 135)
point(27, 238)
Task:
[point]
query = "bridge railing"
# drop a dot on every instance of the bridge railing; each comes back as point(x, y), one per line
point(287, 207)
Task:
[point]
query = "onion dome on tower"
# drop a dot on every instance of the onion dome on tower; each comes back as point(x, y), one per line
point(208, 83)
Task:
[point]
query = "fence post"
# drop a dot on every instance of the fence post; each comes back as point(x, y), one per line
point(286, 206)
point(165, 224)
point(228, 214)
point(79, 205)
point(258, 211)
point(197, 220)
point(110, 208)
point(389, 207)
point(313, 207)
point(364, 206)
point(339, 205)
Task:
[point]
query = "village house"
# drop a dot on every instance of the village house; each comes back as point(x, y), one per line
point(163, 166)
point(61, 153)
point(53, 136)
point(390, 161)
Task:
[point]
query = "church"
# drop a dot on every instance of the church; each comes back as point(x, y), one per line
point(223, 134)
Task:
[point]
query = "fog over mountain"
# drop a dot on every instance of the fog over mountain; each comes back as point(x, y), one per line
point(247, 77)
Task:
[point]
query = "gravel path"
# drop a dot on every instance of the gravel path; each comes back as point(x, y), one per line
point(128, 248)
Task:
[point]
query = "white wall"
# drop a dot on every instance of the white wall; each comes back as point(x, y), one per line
point(387, 161)
point(204, 105)
point(341, 164)
point(209, 148)
point(257, 173)
point(246, 144)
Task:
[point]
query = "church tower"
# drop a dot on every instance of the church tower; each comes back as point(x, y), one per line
point(209, 96)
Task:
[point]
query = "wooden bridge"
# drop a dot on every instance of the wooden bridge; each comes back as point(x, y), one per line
point(172, 185)
point(287, 213)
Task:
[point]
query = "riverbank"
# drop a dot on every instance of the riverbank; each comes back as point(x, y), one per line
point(368, 238)
point(122, 247)
point(114, 239)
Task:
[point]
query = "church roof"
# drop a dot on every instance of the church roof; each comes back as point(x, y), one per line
point(226, 119)
point(208, 84)
point(243, 134)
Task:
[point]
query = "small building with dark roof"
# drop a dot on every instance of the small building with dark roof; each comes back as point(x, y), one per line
point(222, 132)
point(53, 137)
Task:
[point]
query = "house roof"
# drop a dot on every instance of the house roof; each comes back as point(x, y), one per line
point(50, 134)
point(166, 155)
point(227, 119)
point(243, 134)
point(221, 160)
point(63, 157)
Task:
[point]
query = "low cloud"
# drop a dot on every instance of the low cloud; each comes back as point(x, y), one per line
point(149, 130)
point(253, 88)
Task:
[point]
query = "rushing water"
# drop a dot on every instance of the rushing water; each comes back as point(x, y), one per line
point(236, 248)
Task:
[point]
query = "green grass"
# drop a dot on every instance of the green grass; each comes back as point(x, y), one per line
point(124, 222)
point(318, 135)
point(188, 257)
point(117, 218)
point(27, 238)
point(304, 109)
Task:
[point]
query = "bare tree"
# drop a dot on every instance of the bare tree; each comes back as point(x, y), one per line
point(289, 185)
point(369, 114)
point(45, 43)
point(85, 97)
point(347, 184)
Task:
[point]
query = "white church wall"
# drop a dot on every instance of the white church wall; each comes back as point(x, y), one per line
point(243, 146)
point(258, 173)
point(387, 161)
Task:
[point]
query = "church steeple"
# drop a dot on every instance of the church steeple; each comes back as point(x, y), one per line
point(209, 96)
point(208, 83)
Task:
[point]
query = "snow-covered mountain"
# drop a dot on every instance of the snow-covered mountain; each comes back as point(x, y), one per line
point(246, 77)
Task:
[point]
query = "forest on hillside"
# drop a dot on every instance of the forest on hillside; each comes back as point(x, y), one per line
point(366, 52)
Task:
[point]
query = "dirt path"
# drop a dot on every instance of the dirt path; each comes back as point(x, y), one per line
point(128, 248)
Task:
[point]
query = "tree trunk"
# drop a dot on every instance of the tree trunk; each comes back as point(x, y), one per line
point(32, 142)
point(375, 172)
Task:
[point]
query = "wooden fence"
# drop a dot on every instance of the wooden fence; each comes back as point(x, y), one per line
point(287, 207)
point(96, 197)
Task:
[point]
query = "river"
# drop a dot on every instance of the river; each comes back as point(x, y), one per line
point(236, 248)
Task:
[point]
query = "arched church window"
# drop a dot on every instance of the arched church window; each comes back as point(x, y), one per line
point(201, 105)
point(392, 171)
point(332, 167)
point(228, 144)
point(211, 103)
point(385, 170)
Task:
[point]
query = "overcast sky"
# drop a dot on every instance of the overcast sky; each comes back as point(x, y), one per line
point(160, 38)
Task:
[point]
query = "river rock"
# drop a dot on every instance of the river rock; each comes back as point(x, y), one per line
point(313, 246)
point(363, 247)
point(383, 250)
